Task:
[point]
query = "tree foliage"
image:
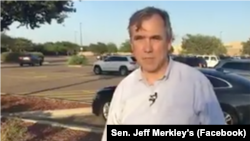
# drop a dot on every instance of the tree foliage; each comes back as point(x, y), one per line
point(246, 47)
point(34, 13)
point(125, 46)
point(202, 44)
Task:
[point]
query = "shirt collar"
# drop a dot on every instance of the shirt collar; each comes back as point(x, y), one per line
point(166, 75)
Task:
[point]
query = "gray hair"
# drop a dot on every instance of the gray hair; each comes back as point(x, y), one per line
point(139, 16)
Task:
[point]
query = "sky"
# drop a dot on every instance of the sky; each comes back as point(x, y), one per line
point(106, 21)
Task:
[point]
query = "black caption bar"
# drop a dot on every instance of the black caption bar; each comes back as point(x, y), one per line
point(180, 131)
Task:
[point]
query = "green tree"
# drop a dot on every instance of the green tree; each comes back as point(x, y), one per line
point(51, 47)
point(246, 47)
point(111, 48)
point(98, 48)
point(171, 50)
point(202, 44)
point(6, 42)
point(68, 47)
point(125, 46)
point(21, 45)
point(34, 13)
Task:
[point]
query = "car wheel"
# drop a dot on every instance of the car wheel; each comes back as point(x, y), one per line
point(123, 71)
point(97, 70)
point(104, 110)
point(230, 116)
point(21, 64)
point(41, 63)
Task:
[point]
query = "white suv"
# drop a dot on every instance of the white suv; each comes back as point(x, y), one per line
point(211, 60)
point(121, 64)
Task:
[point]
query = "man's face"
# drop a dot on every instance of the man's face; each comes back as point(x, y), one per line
point(150, 43)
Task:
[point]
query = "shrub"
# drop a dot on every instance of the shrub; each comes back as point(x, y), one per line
point(13, 57)
point(78, 60)
point(12, 129)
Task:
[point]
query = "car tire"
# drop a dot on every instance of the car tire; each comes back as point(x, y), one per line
point(21, 64)
point(41, 63)
point(97, 70)
point(231, 116)
point(123, 71)
point(104, 109)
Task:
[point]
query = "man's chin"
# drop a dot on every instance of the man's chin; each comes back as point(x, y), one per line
point(149, 69)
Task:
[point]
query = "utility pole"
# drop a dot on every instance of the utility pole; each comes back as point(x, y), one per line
point(81, 34)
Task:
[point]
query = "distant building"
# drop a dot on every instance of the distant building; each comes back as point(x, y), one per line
point(234, 48)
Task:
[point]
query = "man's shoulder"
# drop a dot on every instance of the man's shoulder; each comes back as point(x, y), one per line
point(129, 79)
point(188, 71)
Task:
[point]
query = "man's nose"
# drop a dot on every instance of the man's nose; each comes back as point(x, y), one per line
point(148, 47)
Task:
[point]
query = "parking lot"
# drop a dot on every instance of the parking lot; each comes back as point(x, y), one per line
point(55, 81)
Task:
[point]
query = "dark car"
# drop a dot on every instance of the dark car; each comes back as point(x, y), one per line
point(241, 67)
point(30, 59)
point(192, 61)
point(232, 91)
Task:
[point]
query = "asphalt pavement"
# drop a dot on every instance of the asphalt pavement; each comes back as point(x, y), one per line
point(55, 80)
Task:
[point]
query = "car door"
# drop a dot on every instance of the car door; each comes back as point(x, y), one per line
point(213, 61)
point(120, 61)
point(112, 63)
point(106, 64)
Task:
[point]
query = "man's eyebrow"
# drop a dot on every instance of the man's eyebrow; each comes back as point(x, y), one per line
point(139, 37)
point(156, 37)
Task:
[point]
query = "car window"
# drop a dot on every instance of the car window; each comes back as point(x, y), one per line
point(123, 59)
point(110, 58)
point(206, 58)
point(237, 65)
point(213, 58)
point(217, 82)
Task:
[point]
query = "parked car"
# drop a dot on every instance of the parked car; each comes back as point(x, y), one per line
point(192, 61)
point(241, 67)
point(121, 64)
point(232, 91)
point(31, 59)
point(211, 60)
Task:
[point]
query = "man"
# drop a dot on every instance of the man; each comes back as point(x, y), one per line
point(162, 91)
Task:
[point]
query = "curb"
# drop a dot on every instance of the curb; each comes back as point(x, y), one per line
point(52, 113)
point(55, 124)
point(72, 127)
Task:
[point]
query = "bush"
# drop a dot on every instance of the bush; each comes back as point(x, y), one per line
point(13, 57)
point(12, 129)
point(78, 60)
